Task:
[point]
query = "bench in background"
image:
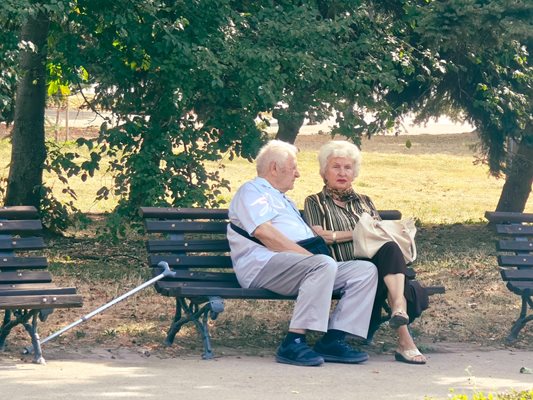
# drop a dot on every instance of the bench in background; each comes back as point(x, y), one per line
point(27, 293)
point(193, 242)
point(515, 259)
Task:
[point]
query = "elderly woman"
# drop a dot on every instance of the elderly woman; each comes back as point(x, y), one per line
point(333, 214)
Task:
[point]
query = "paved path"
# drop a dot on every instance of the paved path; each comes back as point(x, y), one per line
point(127, 376)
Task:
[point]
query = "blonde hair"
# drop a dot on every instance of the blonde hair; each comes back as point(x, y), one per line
point(274, 151)
point(339, 148)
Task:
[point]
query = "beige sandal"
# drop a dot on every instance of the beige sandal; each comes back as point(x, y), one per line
point(408, 356)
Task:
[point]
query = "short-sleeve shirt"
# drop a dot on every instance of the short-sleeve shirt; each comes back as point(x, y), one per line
point(255, 203)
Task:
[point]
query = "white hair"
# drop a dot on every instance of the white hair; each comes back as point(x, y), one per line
point(274, 151)
point(339, 148)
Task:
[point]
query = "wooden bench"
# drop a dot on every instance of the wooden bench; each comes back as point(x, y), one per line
point(193, 242)
point(515, 259)
point(27, 293)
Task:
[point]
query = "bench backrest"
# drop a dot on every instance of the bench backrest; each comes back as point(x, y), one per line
point(25, 282)
point(515, 248)
point(193, 242)
point(15, 270)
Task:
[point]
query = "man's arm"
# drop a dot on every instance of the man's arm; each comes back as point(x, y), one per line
point(277, 241)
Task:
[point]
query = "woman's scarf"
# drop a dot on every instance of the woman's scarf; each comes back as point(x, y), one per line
point(345, 195)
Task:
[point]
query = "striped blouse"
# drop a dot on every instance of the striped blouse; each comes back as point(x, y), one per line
point(320, 209)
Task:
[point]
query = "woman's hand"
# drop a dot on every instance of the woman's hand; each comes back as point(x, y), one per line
point(329, 236)
point(332, 237)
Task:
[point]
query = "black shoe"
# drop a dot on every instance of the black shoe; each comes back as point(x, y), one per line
point(298, 353)
point(339, 351)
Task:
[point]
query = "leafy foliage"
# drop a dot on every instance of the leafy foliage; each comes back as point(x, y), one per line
point(9, 54)
point(331, 58)
point(168, 75)
point(185, 81)
point(480, 68)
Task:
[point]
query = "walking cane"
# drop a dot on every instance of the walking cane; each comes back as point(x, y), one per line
point(166, 272)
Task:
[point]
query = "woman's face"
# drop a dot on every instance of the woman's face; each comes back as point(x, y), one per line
point(339, 173)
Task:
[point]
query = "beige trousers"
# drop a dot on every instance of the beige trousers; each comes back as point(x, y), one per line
point(313, 279)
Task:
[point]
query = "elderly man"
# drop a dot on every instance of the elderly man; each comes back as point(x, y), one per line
point(277, 263)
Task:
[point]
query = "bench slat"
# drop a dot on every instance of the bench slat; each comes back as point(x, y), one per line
point(179, 261)
point(18, 212)
point(34, 291)
point(514, 245)
point(199, 276)
point(183, 213)
point(515, 230)
point(199, 284)
point(519, 287)
point(238, 292)
point(29, 243)
point(431, 290)
point(25, 277)
point(508, 217)
point(196, 213)
point(23, 262)
point(21, 226)
point(227, 292)
point(162, 246)
point(518, 261)
point(174, 226)
point(40, 302)
point(24, 286)
point(517, 274)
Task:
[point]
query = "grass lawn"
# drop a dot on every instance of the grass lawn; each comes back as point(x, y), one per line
point(435, 180)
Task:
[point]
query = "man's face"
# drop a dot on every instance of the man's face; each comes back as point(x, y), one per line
point(284, 175)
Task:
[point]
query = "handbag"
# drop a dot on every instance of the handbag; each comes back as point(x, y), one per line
point(315, 244)
point(370, 234)
point(417, 298)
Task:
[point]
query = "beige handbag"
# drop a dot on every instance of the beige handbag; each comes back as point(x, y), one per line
point(370, 234)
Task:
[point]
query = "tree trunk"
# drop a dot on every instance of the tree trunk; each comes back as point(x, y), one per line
point(28, 151)
point(517, 185)
point(289, 124)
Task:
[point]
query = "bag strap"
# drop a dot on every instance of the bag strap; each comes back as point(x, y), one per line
point(242, 232)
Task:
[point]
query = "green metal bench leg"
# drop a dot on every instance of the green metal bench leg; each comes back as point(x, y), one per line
point(522, 320)
point(35, 340)
point(21, 317)
point(175, 326)
point(5, 328)
point(204, 333)
point(199, 315)
point(192, 314)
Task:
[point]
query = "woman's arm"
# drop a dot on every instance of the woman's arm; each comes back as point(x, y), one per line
point(314, 215)
point(332, 237)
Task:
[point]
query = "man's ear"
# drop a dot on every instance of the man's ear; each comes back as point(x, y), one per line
point(273, 167)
